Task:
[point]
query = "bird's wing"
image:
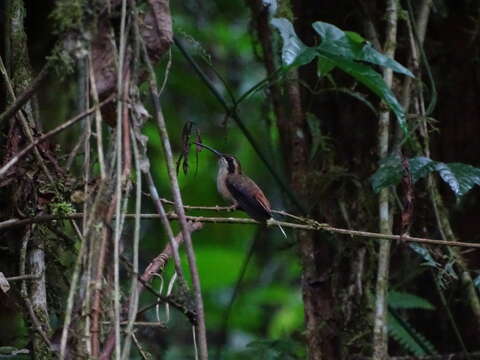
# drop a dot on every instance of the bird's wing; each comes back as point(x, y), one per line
point(249, 196)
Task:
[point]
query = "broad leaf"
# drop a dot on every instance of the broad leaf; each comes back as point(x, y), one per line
point(344, 50)
point(324, 66)
point(293, 49)
point(407, 336)
point(372, 80)
point(389, 173)
point(425, 254)
point(420, 167)
point(460, 177)
point(402, 300)
point(353, 46)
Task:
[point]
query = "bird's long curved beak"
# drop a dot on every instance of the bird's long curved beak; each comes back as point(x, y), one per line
point(218, 153)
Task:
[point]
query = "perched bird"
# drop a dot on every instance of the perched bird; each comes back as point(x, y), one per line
point(239, 189)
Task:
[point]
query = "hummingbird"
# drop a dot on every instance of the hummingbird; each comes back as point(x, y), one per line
point(238, 189)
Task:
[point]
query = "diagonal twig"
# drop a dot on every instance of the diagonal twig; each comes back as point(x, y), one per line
point(49, 134)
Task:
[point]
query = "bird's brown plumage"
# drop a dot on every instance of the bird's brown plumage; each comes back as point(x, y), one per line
point(241, 187)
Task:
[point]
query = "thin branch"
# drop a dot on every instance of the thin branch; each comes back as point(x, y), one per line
point(71, 296)
point(134, 291)
point(155, 266)
point(201, 328)
point(26, 126)
point(98, 119)
point(166, 224)
point(23, 98)
point(159, 324)
point(23, 277)
point(49, 134)
point(122, 90)
point(142, 352)
point(145, 168)
point(310, 224)
point(380, 336)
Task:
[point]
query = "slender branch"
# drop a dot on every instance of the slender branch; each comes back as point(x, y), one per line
point(201, 328)
point(145, 168)
point(49, 134)
point(71, 295)
point(23, 277)
point(23, 98)
point(155, 265)
point(98, 119)
point(380, 336)
point(122, 90)
point(134, 291)
point(26, 126)
point(140, 323)
point(142, 352)
point(310, 224)
point(166, 224)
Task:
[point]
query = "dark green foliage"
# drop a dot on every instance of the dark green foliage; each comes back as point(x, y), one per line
point(346, 50)
point(401, 330)
point(283, 349)
point(410, 339)
point(460, 177)
point(403, 300)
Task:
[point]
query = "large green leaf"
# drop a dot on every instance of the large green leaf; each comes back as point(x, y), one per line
point(425, 254)
point(371, 79)
point(388, 174)
point(353, 46)
point(294, 51)
point(345, 50)
point(410, 339)
point(460, 177)
point(420, 167)
point(402, 300)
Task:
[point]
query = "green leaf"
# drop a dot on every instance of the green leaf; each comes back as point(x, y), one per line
point(420, 167)
point(389, 173)
point(353, 46)
point(460, 177)
point(402, 300)
point(324, 66)
point(425, 254)
point(408, 337)
point(372, 80)
point(343, 50)
point(359, 97)
point(317, 138)
point(294, 51)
